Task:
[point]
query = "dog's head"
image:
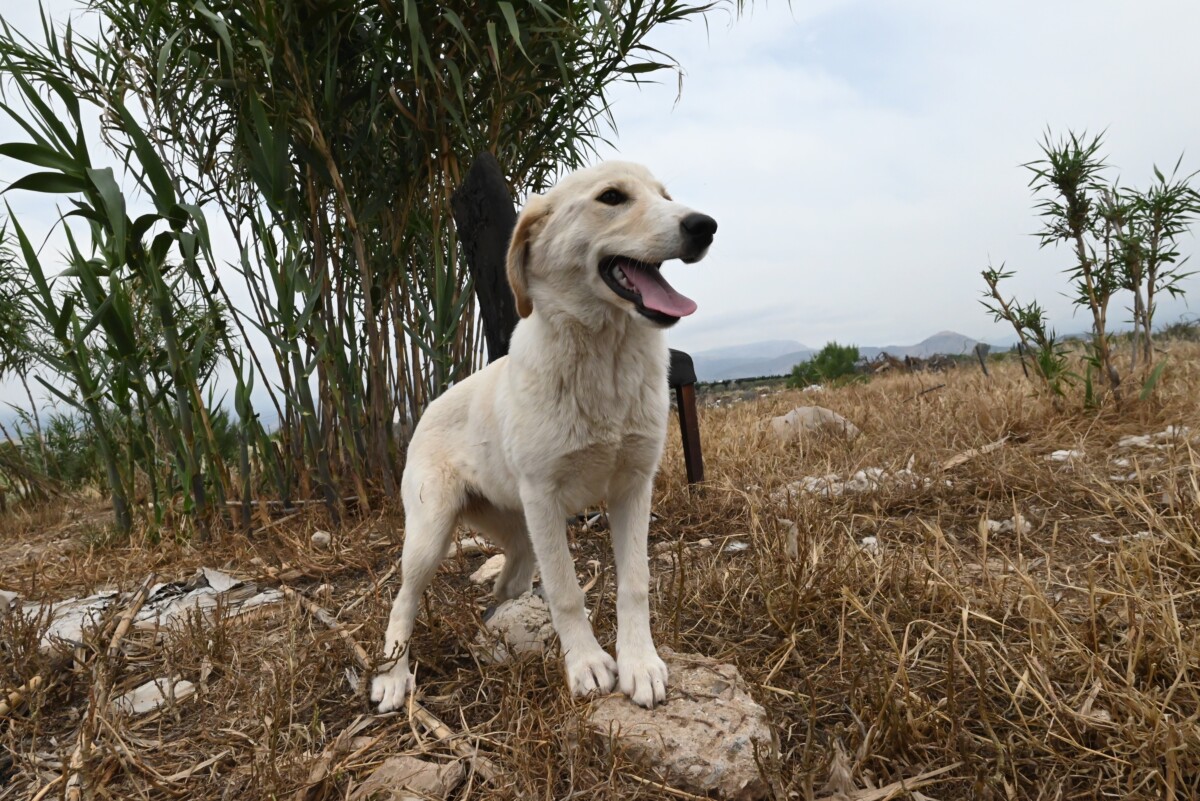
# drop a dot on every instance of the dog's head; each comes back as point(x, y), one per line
point(594, 244)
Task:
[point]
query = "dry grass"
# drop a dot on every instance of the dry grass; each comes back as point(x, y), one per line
point(1055, 663)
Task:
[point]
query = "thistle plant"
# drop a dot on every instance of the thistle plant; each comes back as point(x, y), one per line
point(1120, 240)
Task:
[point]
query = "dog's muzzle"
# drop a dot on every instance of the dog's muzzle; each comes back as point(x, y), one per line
point(698, 230)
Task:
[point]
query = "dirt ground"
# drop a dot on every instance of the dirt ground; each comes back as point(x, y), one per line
point(888, 632)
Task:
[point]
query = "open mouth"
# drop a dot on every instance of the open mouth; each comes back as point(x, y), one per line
point(641, 283)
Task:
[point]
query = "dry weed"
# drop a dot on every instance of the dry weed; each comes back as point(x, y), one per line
point(1057, 660)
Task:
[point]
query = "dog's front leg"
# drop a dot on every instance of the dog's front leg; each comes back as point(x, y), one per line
point(643, 674)
point(589, 667)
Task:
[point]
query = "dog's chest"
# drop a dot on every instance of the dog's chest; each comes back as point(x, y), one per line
point(590, 429)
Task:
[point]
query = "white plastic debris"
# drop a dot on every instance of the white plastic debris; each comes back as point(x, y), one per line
point(804, 419)
point(1017, 524)
point(152, 695)
point(831, 485)
point(1163, 439)
point(167, 605)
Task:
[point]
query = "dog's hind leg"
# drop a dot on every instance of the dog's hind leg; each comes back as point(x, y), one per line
point(430, 515)
point(507, 530)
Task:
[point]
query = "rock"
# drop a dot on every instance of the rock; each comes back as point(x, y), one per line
point(152, 695)
point(870, 544)
point(703, 739)
point(519, 626)
point(793, 425)
point(469, 546)
point(488, 571)
point(322, 540)
point(405, 778)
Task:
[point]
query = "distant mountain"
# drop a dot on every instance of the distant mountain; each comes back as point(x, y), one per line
point(945, 343)
point(772, 357)
point(767, 349)
point(777, 357)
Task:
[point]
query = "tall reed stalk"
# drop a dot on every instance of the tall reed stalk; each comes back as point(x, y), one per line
point(328, 138)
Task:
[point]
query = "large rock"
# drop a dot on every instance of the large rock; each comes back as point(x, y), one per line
point(405, 778)
point(703, 739)
point(793, 425)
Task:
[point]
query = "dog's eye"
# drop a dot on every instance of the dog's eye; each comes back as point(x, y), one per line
point(612, 197)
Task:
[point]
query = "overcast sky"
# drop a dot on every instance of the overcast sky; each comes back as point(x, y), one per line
point(863, 158)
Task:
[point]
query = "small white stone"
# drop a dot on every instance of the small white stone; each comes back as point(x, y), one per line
point(488, 570)
point(322, 539)
point(469, 546)
point(8, 599)
point(791, 538)
point(519, 626)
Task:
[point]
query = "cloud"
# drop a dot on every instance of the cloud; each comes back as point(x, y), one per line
point(865, 157)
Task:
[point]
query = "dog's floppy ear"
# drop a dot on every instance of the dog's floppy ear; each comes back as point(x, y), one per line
point(535, 212)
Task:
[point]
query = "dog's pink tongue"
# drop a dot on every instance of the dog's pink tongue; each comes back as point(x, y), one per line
point(657, 294)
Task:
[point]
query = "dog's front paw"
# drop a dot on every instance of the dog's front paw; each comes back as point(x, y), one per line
point(643, 677)
point(591, 670)
point(389, 688)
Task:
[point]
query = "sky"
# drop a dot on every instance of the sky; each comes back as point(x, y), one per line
point(863, 157)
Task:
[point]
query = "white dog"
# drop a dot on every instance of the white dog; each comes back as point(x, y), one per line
point(574, 415)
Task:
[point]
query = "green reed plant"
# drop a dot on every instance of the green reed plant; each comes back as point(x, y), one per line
point(329, 139)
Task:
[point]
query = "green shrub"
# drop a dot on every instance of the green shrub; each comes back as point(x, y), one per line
point(834, 363)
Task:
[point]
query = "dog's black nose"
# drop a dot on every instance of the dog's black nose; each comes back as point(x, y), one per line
point(699, 228)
